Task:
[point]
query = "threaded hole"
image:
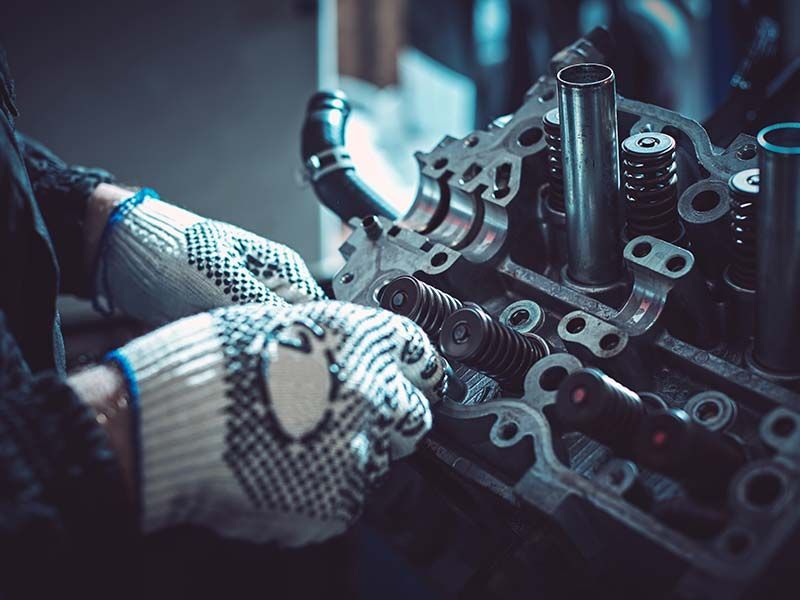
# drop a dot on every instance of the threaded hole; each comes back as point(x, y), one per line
point(440, 163)
point(705, 201)
point(576, 325)
point(471, 141)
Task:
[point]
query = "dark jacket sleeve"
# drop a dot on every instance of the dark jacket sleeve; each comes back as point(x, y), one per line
point(62, 192)
point(66, 528)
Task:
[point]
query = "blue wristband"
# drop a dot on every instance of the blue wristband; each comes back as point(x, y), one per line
point(124, 367)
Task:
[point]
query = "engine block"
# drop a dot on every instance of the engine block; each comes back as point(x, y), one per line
point(646, 421)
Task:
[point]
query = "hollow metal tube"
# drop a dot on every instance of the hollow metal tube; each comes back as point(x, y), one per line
point(778, 250)
point(587, 105)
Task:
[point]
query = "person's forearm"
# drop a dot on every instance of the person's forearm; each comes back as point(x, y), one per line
point(101, 203)
point(103, 388)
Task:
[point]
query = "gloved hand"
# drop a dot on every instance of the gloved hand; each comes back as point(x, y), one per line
point(158, 262)
point(266, 424)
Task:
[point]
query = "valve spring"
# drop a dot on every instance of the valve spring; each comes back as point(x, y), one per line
point(555, 171)
point(651, 186)
point(472, 337)
point(596, 405)
point(744, 197)
point(427, 306)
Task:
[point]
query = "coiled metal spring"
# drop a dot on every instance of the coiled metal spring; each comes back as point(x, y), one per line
point(427, 306)
point(555, 171)
point(651, 186)
point(594, 404)
point(744, 187)
point(475, 339)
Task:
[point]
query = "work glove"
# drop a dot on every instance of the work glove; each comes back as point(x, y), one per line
point(273, 425)
point(158, 262)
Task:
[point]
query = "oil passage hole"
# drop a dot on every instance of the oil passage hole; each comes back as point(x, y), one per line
point(576, 325)
point(705, 201)
point(551, 378)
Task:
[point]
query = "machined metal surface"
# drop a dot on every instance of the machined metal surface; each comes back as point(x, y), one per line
point(587, 105)
point(778, 250)
point(670, 330)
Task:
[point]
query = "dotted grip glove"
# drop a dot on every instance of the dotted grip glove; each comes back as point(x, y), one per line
point(273, 425)
point(158, 262)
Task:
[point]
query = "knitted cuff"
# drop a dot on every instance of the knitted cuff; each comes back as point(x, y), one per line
point(178, 378)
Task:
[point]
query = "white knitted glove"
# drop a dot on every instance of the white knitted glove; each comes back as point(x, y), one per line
point(158, 262)
point(273, 425)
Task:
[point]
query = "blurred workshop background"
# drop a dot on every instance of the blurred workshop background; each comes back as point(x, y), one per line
point(203, 100)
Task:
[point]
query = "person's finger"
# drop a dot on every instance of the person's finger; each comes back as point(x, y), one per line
point(280, 269)
point(417, 358)
point(411, 416)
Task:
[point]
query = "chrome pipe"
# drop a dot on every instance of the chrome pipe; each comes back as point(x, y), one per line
point(778, 250)
point(587, 106)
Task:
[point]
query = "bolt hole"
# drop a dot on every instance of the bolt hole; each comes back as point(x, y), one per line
point(347, 278)
point(551, 378)
point(737, 543)
point(508, 430)
point(763, 489)
point(519, 317)
point(471, 141)
point(394, 231)
point(438, 259)
point(676, 263)
point(471, 173)
point(642, 249)
point(705, 201)
point(746, 152)
point(707, 410)
point(616, 477)
point(529, 137)
point(609, 341)
point(783, 426)
point(440, 163)
point(576, 325)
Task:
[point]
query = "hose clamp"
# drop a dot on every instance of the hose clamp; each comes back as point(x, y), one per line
point(324, 163)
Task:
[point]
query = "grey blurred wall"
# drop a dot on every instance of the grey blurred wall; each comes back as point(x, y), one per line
point(201, 100)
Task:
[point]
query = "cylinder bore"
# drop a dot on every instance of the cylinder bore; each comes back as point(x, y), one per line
point(778, 250)
point(590, 160)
